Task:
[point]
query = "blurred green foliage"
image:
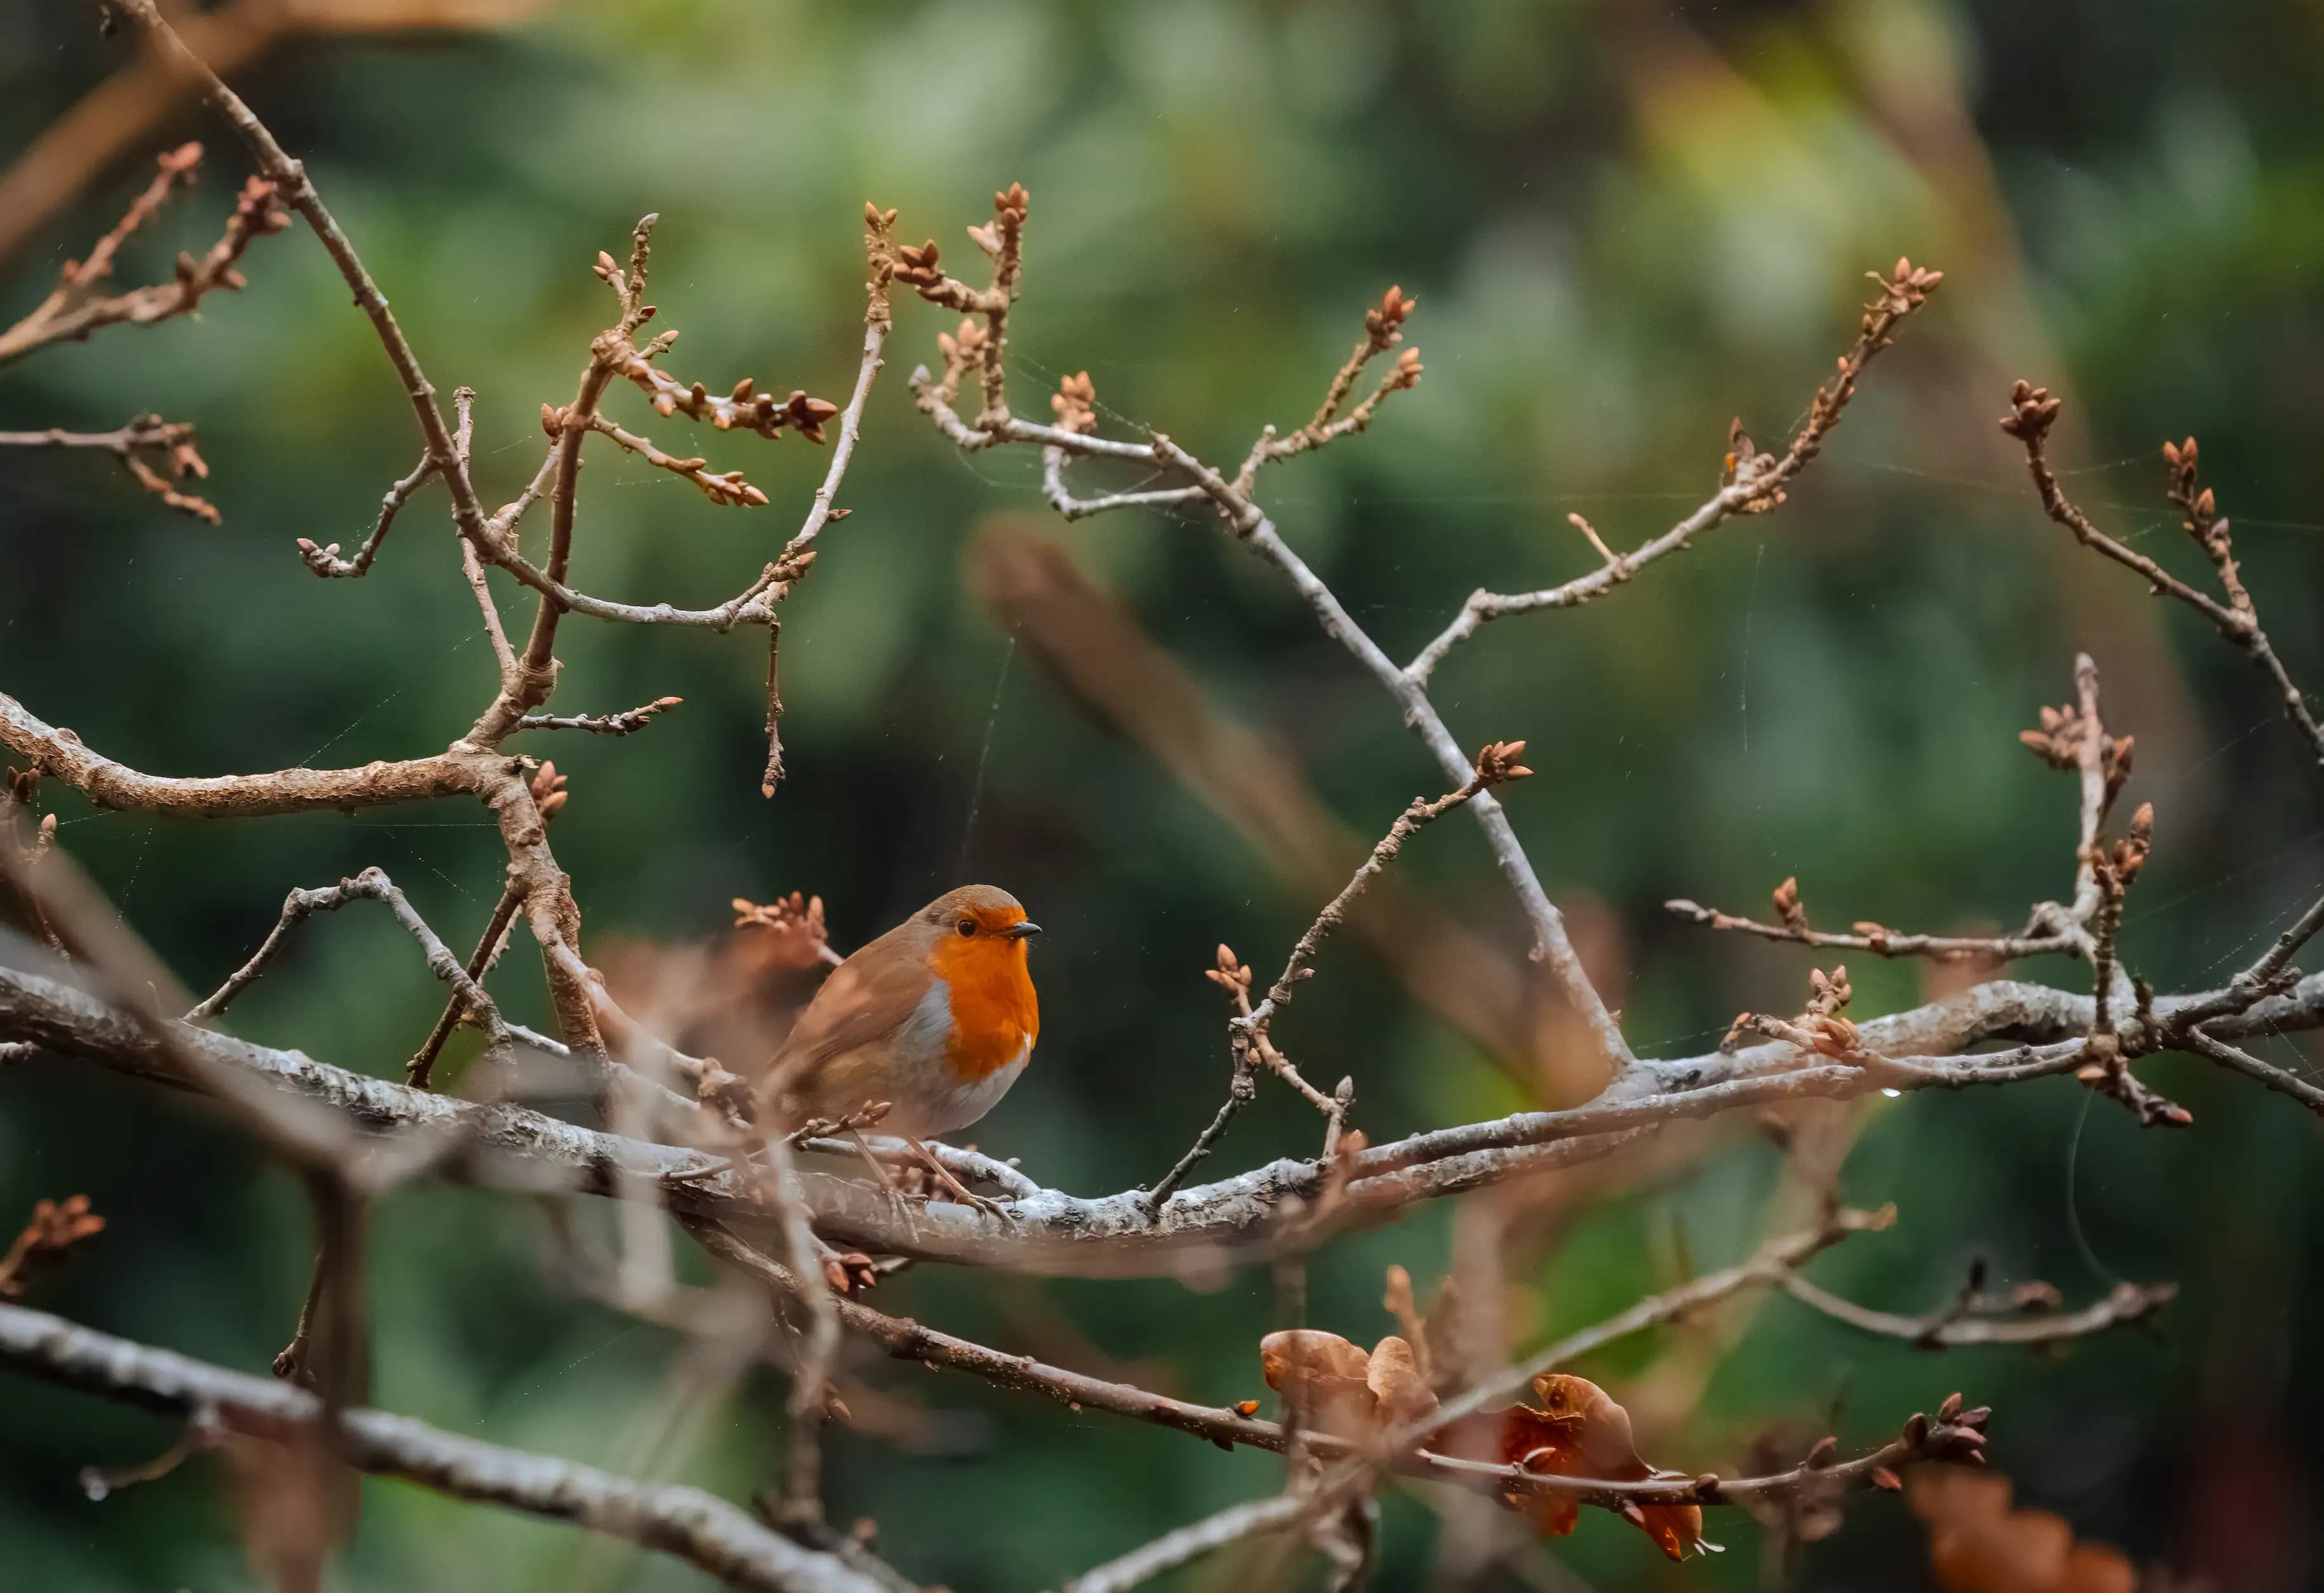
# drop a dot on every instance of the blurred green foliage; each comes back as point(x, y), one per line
point(1624, 222)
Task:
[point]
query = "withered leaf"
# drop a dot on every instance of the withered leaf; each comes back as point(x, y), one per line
point(1580, 1431)
point(1978, 1545)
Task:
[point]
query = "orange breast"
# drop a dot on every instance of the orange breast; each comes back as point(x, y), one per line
point(994, 1014)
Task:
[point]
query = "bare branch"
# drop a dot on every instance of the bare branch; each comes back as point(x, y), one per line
point(59, 753)
point(1753, 484)
point(1124, 1234)
point(1383, 331)
point(472, 567)
point(879, 254)
point(2279, 1079)
point(628, 722)
point(371, 886)
point(156, 453)
point(1176, 1548)
point(72, 312)
point(2033, 411)
point(1774, 1262)
point(1963, 1324)
point(1249, 524)
point(727, 489)
point(708, 1533)
point(418, 1070)
point(1882, 942)
point(326, 561)
point(1496, 764)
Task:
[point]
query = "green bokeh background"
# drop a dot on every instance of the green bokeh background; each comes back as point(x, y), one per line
point(1623, 223)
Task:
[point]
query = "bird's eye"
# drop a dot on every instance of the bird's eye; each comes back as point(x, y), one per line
point(966, 926)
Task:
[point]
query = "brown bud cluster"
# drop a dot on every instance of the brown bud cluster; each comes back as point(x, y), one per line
point(1788, 906)
point(1955, 1435)
point(966, 345)
point(2059, 744)
point(852, 1275)
point(57, 1226)
point(2119, 866)
point(999, 236)
point(1384, 322)
point(1230, 975)
point(2031, 411)
point(1828, 993)
point(919, 264)
point(799, 935)
point(2201, 511)
point(258, 211)
point(763, 413)
point(1498, 764)
point(1074, 402)
point(1901, 291)
point(549, 793)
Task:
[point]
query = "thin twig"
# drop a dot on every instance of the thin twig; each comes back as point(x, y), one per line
point(1754, 482)
point(1884, 942)
point(2033, 411)
point(628, 722)
point(2281, 1080)
point(169, 442)
point(799, 553)
point(325, 560)
point(1242, 517)
point(472, 567)
point(1176, 1547)
point(2127, 1304)
point(1774, 1262)
point(73, 311)
point(417, 1071)
point(371, 886)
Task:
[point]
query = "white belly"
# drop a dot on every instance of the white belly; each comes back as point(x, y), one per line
point(964, 1104)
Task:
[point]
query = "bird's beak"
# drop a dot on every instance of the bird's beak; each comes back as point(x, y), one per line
point(1024, 929)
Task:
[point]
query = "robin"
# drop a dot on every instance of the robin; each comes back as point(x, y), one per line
point(936, 1017)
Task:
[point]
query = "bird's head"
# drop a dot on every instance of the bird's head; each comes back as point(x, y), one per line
point(980, 913)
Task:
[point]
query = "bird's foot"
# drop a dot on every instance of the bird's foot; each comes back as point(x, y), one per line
point(959, 1193)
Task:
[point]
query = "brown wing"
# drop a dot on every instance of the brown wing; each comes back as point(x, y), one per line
point(867, 998)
